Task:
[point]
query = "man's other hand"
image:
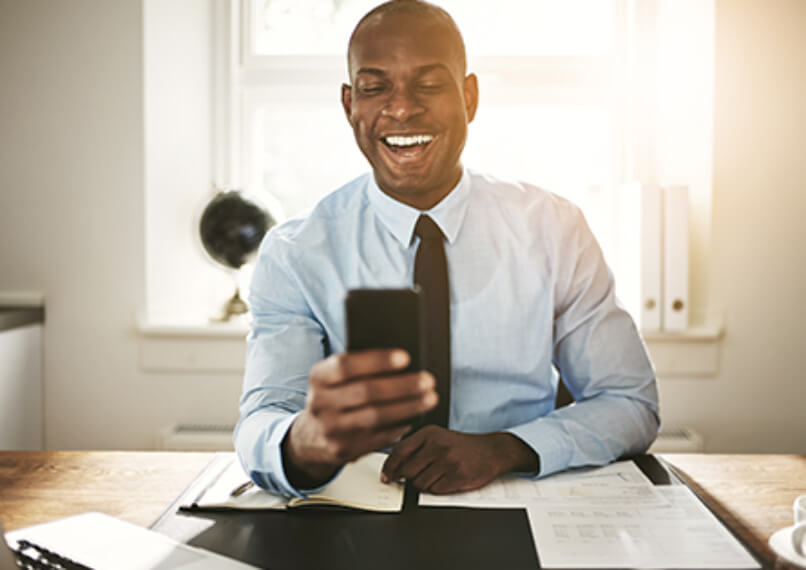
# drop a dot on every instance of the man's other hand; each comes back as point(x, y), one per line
point(442, 461)
point(357, 402)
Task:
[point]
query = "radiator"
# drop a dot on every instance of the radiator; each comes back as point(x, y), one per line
point(677, 440)
point(213, 437)
point(196, 437)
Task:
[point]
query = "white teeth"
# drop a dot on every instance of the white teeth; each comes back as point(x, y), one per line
point(408, 141)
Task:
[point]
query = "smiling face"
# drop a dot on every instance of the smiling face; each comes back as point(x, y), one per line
point(409, 104)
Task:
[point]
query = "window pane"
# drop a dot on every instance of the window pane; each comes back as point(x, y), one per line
point(563, 149)
point(534, 27)
point(569, 150)
point(305, 27)
point(302, 153)
point(503, 27)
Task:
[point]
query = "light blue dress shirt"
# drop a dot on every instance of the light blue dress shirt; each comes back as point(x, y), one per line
point(530, 294)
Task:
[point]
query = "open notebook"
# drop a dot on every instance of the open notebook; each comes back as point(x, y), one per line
point(357, 486)
point(98, 541)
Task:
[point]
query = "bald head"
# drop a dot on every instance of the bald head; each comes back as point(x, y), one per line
point(428, 15)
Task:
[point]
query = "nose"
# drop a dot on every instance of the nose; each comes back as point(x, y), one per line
point(401, 105)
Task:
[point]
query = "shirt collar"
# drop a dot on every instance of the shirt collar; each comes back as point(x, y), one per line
point(401, 218)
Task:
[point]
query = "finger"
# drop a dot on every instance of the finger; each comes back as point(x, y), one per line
point(421, 461)
point(371, 403)
point(447, 483)
point(344, 366)
point(379, 416)
point(383, 439)
point(384, 389)
point(402, 452)
point(353, 446)
point(430, 477)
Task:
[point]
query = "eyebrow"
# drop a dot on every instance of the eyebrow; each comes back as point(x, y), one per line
point(420, 70)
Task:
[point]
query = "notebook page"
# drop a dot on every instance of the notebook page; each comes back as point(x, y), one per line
point(359, 486)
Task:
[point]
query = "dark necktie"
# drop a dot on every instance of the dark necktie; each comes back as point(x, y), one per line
point(431, 274)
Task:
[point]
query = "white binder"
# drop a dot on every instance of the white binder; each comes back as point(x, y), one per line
point(651, 258)
point(640, 254)
point(675, 258)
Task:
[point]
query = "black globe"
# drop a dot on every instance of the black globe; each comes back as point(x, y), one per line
point(232, 227)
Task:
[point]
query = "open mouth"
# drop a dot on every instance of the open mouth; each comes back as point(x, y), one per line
point(407, 145)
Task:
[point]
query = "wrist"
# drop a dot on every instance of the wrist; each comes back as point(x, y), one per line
point(515, 455)
point(301, 470)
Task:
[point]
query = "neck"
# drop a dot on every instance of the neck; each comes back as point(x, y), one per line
point(427, 199)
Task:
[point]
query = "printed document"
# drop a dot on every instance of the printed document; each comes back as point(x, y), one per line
point(612, 484)
point(683, 534)
point(611, 517)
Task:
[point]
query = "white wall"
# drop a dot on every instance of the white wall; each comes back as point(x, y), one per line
point(72, 220)
point(178, 48)
point(758, 260)
point(73, 176)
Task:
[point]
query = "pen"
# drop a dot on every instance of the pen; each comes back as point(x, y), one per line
point(241, 489)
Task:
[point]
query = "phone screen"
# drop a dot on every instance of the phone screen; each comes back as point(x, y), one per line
point(385, 318)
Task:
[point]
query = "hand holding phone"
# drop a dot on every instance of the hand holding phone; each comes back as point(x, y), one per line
point(364, 399)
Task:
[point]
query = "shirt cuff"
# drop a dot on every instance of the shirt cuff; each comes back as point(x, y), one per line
point(274, 473)
point(549, 441)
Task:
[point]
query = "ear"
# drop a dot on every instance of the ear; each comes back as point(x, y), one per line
point(347, 101)
point(470, 88)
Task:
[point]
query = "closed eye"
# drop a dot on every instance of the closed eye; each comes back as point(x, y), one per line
point(372, 89)
point(430, 87)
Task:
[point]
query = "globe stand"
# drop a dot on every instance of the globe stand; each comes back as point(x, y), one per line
point(231, 229)
point(235, 307)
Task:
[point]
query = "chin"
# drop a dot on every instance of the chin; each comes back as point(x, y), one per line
point(407, 185)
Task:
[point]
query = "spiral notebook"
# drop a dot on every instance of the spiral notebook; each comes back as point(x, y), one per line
point(98, 541)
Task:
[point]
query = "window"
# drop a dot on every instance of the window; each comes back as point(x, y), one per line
point(548, 114)
point(577, 96)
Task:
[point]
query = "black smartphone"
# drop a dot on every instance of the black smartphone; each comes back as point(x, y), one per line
point(385, 318)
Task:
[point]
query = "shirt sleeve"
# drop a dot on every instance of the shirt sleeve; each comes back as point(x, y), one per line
point(602, 360)
point(285, 341)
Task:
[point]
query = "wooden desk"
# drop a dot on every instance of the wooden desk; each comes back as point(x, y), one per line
point(752, 493)
point(39, 486)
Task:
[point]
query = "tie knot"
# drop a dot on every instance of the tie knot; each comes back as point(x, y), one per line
point(427, 229)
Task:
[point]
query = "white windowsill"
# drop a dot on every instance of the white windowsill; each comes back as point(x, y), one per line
point(693, 353)
point(201, 346)
point(192, 346)
point(707, 332)
point(192, 329)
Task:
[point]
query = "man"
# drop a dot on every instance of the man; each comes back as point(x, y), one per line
point(529, 294)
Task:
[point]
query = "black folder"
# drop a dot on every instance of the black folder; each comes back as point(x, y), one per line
point(421, 538)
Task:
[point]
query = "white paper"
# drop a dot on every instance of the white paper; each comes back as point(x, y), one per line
point(683, 534)
point(609, 485)
point(359, 486)
point(220, 493)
